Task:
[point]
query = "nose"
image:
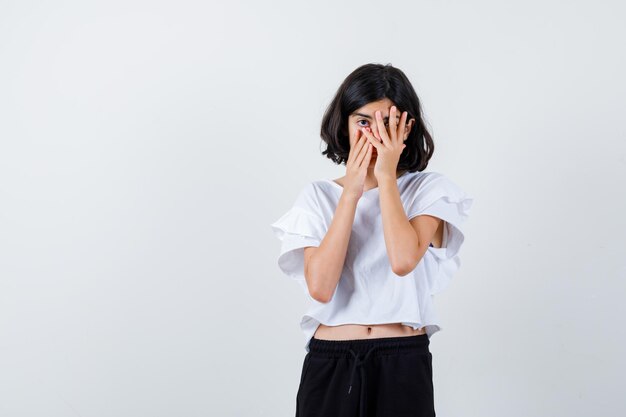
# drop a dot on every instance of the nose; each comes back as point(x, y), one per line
point(374, 130)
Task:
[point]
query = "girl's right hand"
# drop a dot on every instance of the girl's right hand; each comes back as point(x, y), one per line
point(357, 164)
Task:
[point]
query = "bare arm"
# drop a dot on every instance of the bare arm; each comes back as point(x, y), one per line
point(406, 241)
point(323, 265)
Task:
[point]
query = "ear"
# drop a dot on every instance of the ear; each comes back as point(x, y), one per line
point(409, 126)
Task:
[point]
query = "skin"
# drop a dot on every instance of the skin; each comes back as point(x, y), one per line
point(406, 241)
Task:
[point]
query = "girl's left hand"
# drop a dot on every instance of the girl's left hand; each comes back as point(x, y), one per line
point(388, 148)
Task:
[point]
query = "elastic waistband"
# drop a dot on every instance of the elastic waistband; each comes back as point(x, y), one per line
point(381, 345)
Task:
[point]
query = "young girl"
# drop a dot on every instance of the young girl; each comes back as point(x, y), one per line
point(370, 249)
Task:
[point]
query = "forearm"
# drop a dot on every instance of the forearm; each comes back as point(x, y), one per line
point(401, 240)
point(326, 264)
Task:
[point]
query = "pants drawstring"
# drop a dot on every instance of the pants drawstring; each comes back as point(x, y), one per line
point(358, 362)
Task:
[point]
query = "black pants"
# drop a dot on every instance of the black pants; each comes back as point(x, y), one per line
point(382, 377)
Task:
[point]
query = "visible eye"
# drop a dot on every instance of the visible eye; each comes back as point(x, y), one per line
point(358, 122)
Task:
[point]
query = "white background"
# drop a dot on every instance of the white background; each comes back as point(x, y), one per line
point(147, 146)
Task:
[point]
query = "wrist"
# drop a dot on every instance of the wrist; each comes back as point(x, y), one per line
point(386, 180)
point(349, 197)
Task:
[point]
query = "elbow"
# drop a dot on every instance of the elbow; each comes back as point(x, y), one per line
point(403, 269)
point(316, 291)
point(320, 296)
point(405, 265)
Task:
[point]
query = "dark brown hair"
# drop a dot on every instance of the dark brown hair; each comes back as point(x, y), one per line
point(368, 83)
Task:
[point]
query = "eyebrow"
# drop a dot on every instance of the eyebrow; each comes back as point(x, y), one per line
point(370, 117)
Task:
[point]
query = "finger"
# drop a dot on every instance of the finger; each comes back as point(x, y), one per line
point(402, 125)
point(365, 158)
point(393, 123)
point(362, 154)
point(382, 130)
point(373, 140)
point(368, 157)
point(358, 143)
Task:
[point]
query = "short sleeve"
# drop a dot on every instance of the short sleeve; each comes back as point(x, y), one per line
point(299, 227)
point(440, 197)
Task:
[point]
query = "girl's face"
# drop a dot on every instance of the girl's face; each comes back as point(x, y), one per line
point(366, 117)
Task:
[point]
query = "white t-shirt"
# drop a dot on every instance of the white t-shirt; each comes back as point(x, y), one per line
point(369, 292)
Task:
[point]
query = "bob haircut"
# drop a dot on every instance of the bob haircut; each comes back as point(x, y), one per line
point(368, 83)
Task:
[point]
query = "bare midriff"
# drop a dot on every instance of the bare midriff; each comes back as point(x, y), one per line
point(371, 331)
point(365, 331)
